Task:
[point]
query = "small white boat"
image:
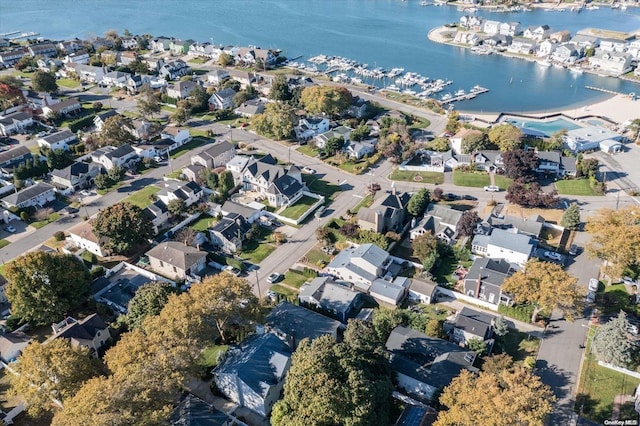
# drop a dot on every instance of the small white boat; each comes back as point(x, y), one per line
point(446, 97)
point(544, 63)
point(460, 93)
point(576, 70)
point(623, 7)
point(424, 3)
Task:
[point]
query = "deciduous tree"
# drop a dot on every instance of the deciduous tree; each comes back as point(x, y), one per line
point(571, 217)
point(468, 222)
point(530, 195)
point(506, 136)
point(280, 89)
point(329, 100)
point(124, 225)
point(474, 142)
point(425, 248)
point(148, 300)
point(418, 202)
point(439, 144)
point(148, 102)
point(42, 287)
point(613, 344)
point(546, 286)
point(54, 370)
point(114, 131)
point(276, 121)
point(520, 164)
point(176, 207)
point(44, 82)
point(225, 59)
point(334, 145)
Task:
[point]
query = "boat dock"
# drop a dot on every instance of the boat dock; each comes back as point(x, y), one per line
point(611, 92)
point(23, 35)
point(466, 96)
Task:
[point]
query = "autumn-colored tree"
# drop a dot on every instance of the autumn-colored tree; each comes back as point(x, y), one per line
point(506, 136)
point(517, 395)
point(42, 287)
point(10, 92)
point(395, 142)
point(326, 99)
point(425, 248)
point(615, 239)
point(276, 121)
point(148, 102)
point(148, 300)
point(546, 286)
point(124, 225)
point(114, 131)
point(51, 371)
point(474, 141)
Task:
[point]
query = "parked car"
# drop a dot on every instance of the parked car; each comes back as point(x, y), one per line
point(552, 255)
point(274, 278)
point(469, 197)
point(308, 170)
point(492, 188)
point(320, 211)
point(591, 297)
point(593, 284)
point(10, 229)
point(573, 250)
point(629, 281)
point(450, 196)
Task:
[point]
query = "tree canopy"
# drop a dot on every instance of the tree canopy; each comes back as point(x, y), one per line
point(395, 142)
point(615, 237)
point(418, 202)
point(148, 300)
point(546, 286)
point(334, 145)
point(124, 225)
point(148, 102)
point(329, 100)
point(520, 164)
point(473, 142)
point(612, 343)
point(277, 120)
point(280, 89)
point(425, 248)
point(52, 370)
point(468, 222)
point(42, 287)
point(516, 395)
point(334, 383)
point(10, 92)
point(44, 82)
point(506, 136)
point(114, 131)
point(571, 217)
point(530, 195)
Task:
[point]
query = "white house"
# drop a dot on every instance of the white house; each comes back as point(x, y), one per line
point(504, 244)
point(15, 123)
point(82, 236)
point(589, 138)
point(222, 99)
point(181, 89)
point(510, 29)
point(158, 214)
point(339, 132)
point(109, 156)
point(175, 259)
point(613, 45)
point(36, 195)
point(491, 27)
point(189, 192)
point(76, 176)
point(58, 140)
point(310, 127)
point(611, 62)
point(361, 265)
point(116, 79)
point(176, 134)
point(538, 33)
point(546, 48)
point(62, 108)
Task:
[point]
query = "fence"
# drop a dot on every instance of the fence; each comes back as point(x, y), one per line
point(304, 215)
point(468, 299)
point(619, 369)
point(422, 168)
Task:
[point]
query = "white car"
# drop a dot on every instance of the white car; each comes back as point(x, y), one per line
point(274, 278)
point(308, 170)
point(492, 188)
point(553, 256)
point(593, 285)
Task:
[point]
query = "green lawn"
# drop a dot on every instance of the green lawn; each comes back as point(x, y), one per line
point(423, 177)
point(365, 202)
point(197, 60)
point(476, 180)
point(598, 387)
point(320, 186)
point(255, 251)
point(280, 289)
point(142, 198)
point(308, 150)
point(4, 243)
point(616, 298)
point(299, 208)
point(203, 223)
point(68, 82)
point(517, 344)
point(194, 143)
point(210, 356)
point(575, 187)
point(503, 182)
point(52, 218)
point(315, 256)
point(111, 188)
point(295, 278)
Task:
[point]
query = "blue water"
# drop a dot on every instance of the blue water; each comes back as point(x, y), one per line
point(548, 128)
point(383, 33)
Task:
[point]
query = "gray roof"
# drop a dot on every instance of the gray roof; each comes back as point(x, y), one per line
point(369, 253)
point(474, 322)
point(490, 271)
point(330, 296)
point(423, 287)
point(515, 242)
point(177, 254)
point(120, 151)
point(550, 156)
point(75, 169)
point(27, 193)
point(192, 411)
point(390, 290)
point(216, 150)
point(444, 214)
point(13, 154)
point(592, 134)
point(427, 359)
point(8, 340)
point(83, 331)
point(530, 226)
point(300, 323)
point(240, 209)
point(58, 136)
point(226, 93)
point(260, 361)
point(106, 114)
point(231, 227)
point(569, 164)
point(286, 185)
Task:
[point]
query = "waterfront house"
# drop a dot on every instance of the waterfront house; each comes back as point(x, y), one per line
point(12, 344)
point(498, 40)
point(491, 27)
point(70, 106)
point(91, 332)
point(82, 236)
point(77, 176)
point(634, 48)
point(560, 36)
point(180, 47)
point(504, 244)
point(222, 99)
point(109, 157)
point(129, 43)
point(181, 89)
point(470, 38)
point(9, 58)
point(613, 45)
point(58, 140)
point(471, 324)
point(201, 49)
point(292, 323)
point(546, 48)
point(423, 364)
point(174, 70)
point(99, 42)
point(252, 373)
point(15, 122)
point(360, 265)
point(387, 213)
point(588, 138)
point(310, 127)
point(216, 155)
point(611, 62)
point(566, 53)
point(485, 278)
point(457, 139)
point(252, 56)
point(175, 259)
point(470, 22)
point(510, 29)
point(538, 33)
point(336, 300)
point(439, 220)
point(47, 50)
point(37, 196)
point(522, 46)
point(339, 132)
point(229, 233)
point(79, 57)
point(585, 41)
point(160, 44)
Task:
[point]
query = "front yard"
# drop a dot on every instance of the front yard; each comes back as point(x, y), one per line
point(308, 150)
point(435, 178)
point(479, 179)
point(299, 208)
point(575, 187)
point(320, 186)
point(143, 197)
point(52, 218)
point(517, 344)
point(194, 143)
point(256, 250)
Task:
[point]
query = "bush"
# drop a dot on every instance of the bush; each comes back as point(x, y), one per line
point(24, 216)
point(97, 272)
point(81, 123)
point(59, 236)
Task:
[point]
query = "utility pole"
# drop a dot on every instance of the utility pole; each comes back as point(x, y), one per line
point(258, 284)
point(617, 200)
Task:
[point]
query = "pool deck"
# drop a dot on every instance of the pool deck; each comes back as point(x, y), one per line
point(616, 110)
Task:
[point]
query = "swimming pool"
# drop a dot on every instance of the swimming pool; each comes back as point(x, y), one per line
point(546, 128)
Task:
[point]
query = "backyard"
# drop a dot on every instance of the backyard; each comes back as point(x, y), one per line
point(143, 197)
point(435, 178)
point(203, 223)
point(300, 207)
point(575, 187)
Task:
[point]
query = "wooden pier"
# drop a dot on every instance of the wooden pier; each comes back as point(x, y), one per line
point(466, 96)
point(611, 92)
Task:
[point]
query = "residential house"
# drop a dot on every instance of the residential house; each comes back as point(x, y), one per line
point(440, 220)
point(143, 129)
point(560, 36)
point(634, 48)
point(523, 46)
point(358, 107)
point(423, 291)
point(174, 70)
point(237, 166)
point(86, 73)
point(129, 43)
point(252, 373)
point(488, 160)
point(228, 233)
point(569, 166)
point(584, 41)
point(202, 49)
point(82, 236)
point(310, 127)
point(193, 411)
point(338, 301)
point(293, 323)
point(413, 415)
point(70, 46)
point(245, 78)
point(4, 42)
point(470, 21)
point(48, 64)
point(160, 44)
point(12, 344)
point(101, 118)
point(360, 265)
point(222, 99)
point(471, 324)
point(189, 192)
point(36, 195)
point(218, 76)
point(510, 29)
point(192, 172)
point(91, 332)
point(13, 157)
point(10, 57)
point(531, 226)
point(504, 244)
point(469, 38)
point(485, 278)
point(174, 259)
point(546, 48)
point(47, 50)
point(251, 56)
point(58, 140)
point(391, 293)
point(126, 58)
point(497, 40)
point(456, 140)
point(538, 33)
point(612, 62)
point(610, 147)
point(589, 138)
point(99, 42)
point(15, 122)
point(38, 100)
point(63, 108)
point(116, 79)
point(491, 27)
point(278, 185)
point(158, 213)
point(387, 213)
point(339, 132)
point(78, 175)
point(613, 45)
point(180, 47)
point(248, 213)
point(566, 53)
point(109, 157)
point(451, 160)
point(425, 365)
point(250, 108)
point(216, 155)
point(181, 89)
point(359, 150)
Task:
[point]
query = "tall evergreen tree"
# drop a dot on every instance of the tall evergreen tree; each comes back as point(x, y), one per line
point(571, 217)
point(612, 342)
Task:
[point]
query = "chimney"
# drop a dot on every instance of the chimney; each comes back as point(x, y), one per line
point(478, 283)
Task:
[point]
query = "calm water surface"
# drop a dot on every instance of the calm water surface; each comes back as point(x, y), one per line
point(383, 33)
